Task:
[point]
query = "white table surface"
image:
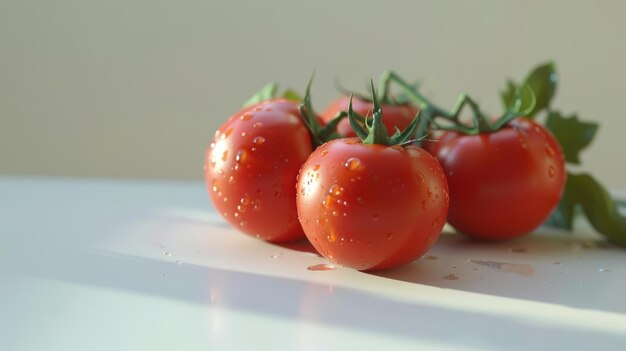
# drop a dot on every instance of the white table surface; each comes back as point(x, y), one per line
point(130, 265)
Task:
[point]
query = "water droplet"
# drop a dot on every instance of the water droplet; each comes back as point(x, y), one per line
point(241, 156)
point(243, 134)
point(246, 117)
point(603, 270)
point(375, 217)
point(227, 133)
point(236, 215)
point(259, 140)
point(551, 171)
point(517, 268)
point(389, 236)
point(327, 201)
point(451, 276)
point(316, 167)
point(224, 155)
point(335, 213)
point(424, 204)
point(353, 164)
point(214, 182)
point(278, 194)
point(245, 200)
point(257, 125)
point(231, 179)
point(212, 146)
point(225, 199)
point(331, 237)
point(360, 200)
point(335, 190)
point(550, 151)
point(324, 153)
point(322, 267)
point(242, 223)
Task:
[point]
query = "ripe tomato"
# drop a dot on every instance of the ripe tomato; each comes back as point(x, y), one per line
point(251, 168)
point(371, 206)
point(396, 116)
point(502, 184)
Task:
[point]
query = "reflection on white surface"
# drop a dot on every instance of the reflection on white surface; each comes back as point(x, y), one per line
point(91, 270)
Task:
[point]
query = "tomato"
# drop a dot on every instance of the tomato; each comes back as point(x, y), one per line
point(251, 169)
point(396, 116)
point(371, 206)
point(502, 184)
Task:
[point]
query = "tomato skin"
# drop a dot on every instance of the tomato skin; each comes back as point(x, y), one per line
point(502, 184)
point(371, 207)
point(251, 168)
point(399, 116)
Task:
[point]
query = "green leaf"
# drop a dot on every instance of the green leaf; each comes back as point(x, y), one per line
point(270, 91)
point(598, 206)
point(292, 95)
point(267, 92)
point(563, 215)
point(573, 135)
point(508, 94)
point(542, 80)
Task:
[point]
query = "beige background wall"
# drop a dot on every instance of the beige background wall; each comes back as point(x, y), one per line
point(128, 88)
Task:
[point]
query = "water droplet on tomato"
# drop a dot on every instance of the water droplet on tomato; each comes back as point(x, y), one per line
point(324, 153)
point(353, 164)
point(550, 151)
point(214, 182)
point(359, 200)
point(241, 156)
point(246, 117)
point(331, 237)
point(389, 236)
point(335, 213)
point(424, 204)
point(243, 134)
point(375, 217)
point(226, 134)
point(278, 194)
point(212, 146)
point(322, 267)
point(257, 125)
point(242, 223)
point(316, 167)
point(327, 201)
point(224, 155)
point(225, 199)
point(335, 190)
point(551, 171)
point(245, 200)
point(259, 140)
point(231, 179)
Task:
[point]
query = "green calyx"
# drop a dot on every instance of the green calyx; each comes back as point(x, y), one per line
point(374, 131)
point(438, 118)
point(319, 134)
point(270, 91)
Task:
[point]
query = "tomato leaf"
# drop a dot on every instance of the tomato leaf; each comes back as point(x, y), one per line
point(597, 204)
point(270, 91)
point(573, 135)
point(292, 95)
point(542, 80)
point(508, 94)
point(563, 215)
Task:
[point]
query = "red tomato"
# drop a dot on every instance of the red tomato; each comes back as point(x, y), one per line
point(371, 207)
point(251, 169)
point(399, 116)
point(502, 184)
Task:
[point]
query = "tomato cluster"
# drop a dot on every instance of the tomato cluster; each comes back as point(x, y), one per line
point(366, 196)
